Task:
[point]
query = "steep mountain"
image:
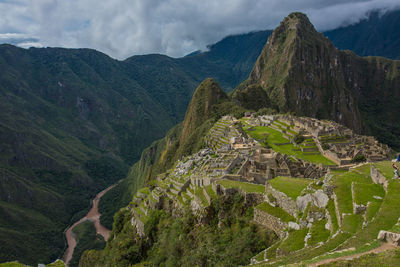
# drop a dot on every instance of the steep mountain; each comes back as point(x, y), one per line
point(300, 71)
point(71, 123)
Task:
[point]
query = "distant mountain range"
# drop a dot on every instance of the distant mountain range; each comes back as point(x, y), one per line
point(74, 120)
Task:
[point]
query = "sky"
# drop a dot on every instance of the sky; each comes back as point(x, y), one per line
point(123, 28)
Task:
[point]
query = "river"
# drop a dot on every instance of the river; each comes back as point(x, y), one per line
point(94, 216)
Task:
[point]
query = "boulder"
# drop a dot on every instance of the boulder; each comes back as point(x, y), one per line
point(294, 226)
point(389, 237)
point(318, 198)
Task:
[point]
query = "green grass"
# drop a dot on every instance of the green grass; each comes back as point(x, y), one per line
point(144, 190)
point(385, 167)
point(276, 211)
point(332, 212)
point(295, 240)
point(247, 187)
point(343, 182)
point(292, 187)
point(363, 248)
point(352, 223)
point(274, 136)
point(57, 263)
point(372, 209)
point(210, 191)
point(395, 228)
point(364, 193)
point(390, 258)
point(318, 233)
point(12, 264)
point(200, 194)
point(364, 169)
point(385, 218)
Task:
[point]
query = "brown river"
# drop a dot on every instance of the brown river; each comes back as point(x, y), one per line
point(94, 216)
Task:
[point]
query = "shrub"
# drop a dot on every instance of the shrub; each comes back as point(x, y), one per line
point(359, 158)
point(298, 138)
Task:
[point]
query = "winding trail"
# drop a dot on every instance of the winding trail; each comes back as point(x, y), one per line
point(94, 216)
point(383, 247)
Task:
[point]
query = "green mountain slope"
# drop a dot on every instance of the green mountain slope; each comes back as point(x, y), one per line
point(74, 119)
point(302, 72)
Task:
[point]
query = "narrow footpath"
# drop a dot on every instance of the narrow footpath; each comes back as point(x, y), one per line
point(94, 216)
point(382, 248)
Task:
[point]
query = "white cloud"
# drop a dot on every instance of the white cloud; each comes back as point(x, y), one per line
point(122, 28)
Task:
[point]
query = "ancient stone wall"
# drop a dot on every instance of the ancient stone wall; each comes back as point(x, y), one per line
point(271, 222)
point(378, 178)
point(283, 201)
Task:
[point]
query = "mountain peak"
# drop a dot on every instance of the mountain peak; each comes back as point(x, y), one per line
point(300, 71)
point(206, 95)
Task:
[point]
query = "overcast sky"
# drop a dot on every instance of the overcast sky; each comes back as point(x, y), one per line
point(122, 28)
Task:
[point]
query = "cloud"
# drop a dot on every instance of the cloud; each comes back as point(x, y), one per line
point(122, 28)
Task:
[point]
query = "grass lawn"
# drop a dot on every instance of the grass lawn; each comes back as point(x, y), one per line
point(290, 186)
point(332, 212)
point(385, 167)
point(276, 137)
point(364, 193)
point(247, 187)
point(364, 169)
point(372, 209)
point(385, 218)
point(318, 233)
point(343, 182)
point(276, 211)
point(295, 240)
point(352, 223)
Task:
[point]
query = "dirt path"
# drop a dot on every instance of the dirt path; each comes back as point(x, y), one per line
point(94, 216)
point(383, 247)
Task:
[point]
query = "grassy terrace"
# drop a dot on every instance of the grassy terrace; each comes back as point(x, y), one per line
point(364, 193)
point(210, 191)
point(276, 211)
point(247, 187)
point(332, 212)
point(200, 194)
point(271, 137)
point(144, 190)
point(385, 167)
point(295, 240)
point(386, 217)
point(318, 233)
point(292, 187)
point(343, 181)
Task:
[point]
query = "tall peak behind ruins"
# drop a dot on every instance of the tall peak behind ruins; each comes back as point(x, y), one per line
point(299, 70)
